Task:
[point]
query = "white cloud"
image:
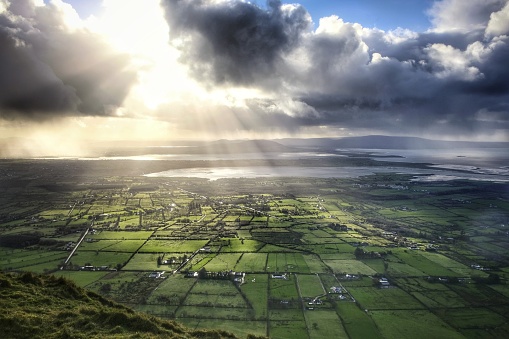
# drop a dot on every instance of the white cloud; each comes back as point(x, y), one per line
point(400, 35)
point(69, 16)
point(449, 62)
point(377, 57)
point(499, 22)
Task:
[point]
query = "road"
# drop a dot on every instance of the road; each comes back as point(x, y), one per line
point(78, 244)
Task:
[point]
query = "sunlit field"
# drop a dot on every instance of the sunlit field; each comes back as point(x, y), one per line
point(375, 256)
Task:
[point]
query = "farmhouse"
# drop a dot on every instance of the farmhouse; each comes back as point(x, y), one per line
point(156, 275)
point(477, 267)
point(315, 301)
point(87, 268)
point(349, 277)
point(279, 276)
point(431, 248)
point(192, 274)
point(238, 277)
point(69, 246)
point(335, 289)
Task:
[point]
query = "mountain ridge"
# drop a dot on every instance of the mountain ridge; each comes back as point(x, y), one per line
point(387, 142)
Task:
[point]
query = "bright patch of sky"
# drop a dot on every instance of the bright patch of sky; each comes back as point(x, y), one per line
point(86, 8)
point(386, 15)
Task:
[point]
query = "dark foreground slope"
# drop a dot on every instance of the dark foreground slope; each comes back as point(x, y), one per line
point(36, 306)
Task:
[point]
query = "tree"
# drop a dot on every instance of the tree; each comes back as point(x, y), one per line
point(359, 253)
point(493, 278)
point(202, 273)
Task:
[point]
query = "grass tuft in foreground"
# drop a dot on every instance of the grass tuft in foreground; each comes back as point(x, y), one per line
point(38, 306)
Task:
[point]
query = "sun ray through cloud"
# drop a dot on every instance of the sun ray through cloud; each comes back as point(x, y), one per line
point(236, 69)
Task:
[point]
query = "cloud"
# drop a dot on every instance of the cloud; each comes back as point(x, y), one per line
point(499, 22)
point(235, 42)
point(463, 16)
point(232, 66)
point(50, 66)
point(453, 77)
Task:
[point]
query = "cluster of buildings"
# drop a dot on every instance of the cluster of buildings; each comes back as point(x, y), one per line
point(236, 277)
point(94, 268)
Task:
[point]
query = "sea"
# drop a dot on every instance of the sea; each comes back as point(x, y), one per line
point(483, 164)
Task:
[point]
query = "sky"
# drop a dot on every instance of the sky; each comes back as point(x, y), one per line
point(74, 71)
point(386, 15)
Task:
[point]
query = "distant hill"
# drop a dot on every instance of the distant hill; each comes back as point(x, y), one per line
point(27, 148)
point(299, 144)
point(386, 142)
point(246, 146)
point(213, 147)
point(37, 306)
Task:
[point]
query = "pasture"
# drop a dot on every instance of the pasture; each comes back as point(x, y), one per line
point(251, 256)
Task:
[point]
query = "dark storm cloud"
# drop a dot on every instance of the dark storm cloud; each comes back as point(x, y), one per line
point(27, 84)
point(454, 76)
point(495, 70)
point(235, 42)
point(47, 70)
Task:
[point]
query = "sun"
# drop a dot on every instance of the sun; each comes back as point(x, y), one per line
point(138, 28)
point(165, 90)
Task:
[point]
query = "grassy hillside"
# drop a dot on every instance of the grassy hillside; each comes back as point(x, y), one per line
point(37, 306)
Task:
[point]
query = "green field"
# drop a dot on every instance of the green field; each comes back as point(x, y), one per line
point(418, 324)
point(283, 258)
point(373, 298)
point(181, 246)
point(324, 324)
point(310, 285)
point(223, 262)
point(349, 266)
point(252, 262)
point(111, 259)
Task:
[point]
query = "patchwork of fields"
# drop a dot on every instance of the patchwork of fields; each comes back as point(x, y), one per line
point(379, 256)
